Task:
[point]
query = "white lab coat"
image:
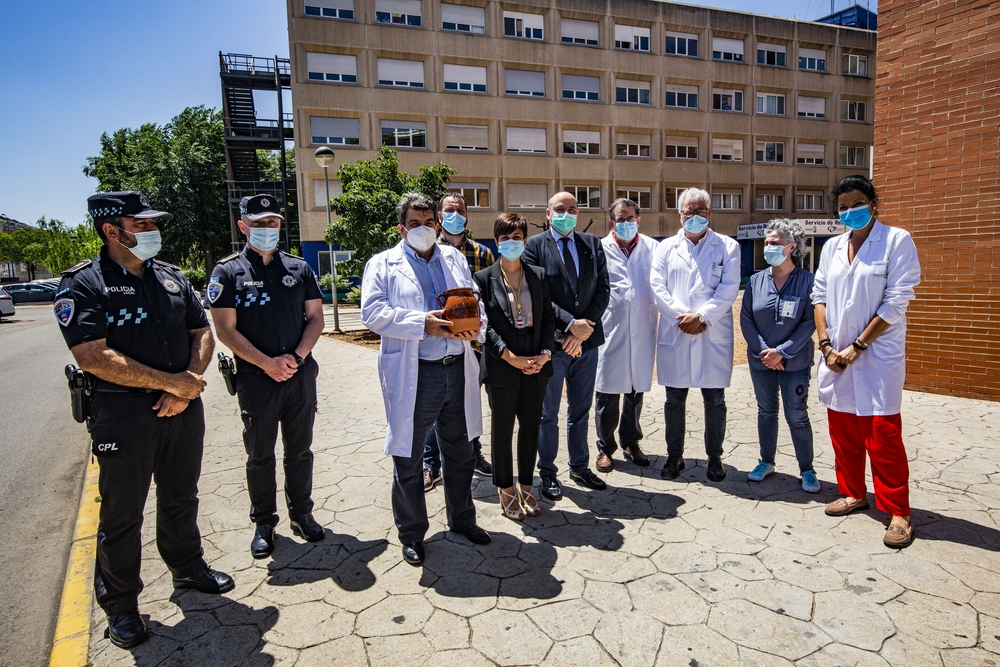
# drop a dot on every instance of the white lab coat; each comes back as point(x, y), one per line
point(880, 282)
point(625, 361)
point(705, 279)
point(392, 306)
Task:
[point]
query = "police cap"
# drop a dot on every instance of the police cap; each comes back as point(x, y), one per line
point(260, 206)
point(123, 204)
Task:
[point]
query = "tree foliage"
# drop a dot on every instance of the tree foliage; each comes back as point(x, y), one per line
point(51, 245)
point(181, 168)
point(371, 189)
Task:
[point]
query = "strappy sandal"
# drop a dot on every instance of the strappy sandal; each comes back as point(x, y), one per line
point(897, 536)
point(527, 501)
point(510, 506)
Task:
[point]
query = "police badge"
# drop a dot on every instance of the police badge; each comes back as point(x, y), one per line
point(214, 291)
point(288, 281)
point(170, 286)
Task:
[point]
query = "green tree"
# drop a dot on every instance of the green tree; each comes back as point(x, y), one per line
point(371, 189)
point(54, 245)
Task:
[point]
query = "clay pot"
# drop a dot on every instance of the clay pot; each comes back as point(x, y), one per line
point(461, 308)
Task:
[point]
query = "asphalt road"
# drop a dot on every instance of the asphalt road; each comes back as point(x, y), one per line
point(43, 456)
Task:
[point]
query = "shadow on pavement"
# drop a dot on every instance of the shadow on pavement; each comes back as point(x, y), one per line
point(341, 558)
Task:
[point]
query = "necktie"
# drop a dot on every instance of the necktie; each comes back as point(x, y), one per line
point(570, 264)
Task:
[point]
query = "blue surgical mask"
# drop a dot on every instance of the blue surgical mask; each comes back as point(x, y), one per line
point(627, 230)
point(774, 254)
point(563, 222)
point(264, 238)
point(695, 224)
point(857, 217)
point(453, 223)
point(511, 249)
point(147, 244)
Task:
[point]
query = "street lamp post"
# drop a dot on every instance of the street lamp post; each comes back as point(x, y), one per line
point(325, 158)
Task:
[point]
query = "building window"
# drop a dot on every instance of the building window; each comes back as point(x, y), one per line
point(855, 65)
point(727, 201)
point(477, 195)
point(523, 26)
point(337, 131)
point(681, 44)
point(331, 9)
point(402, 134)
point(581, 87)
point(464, 78)
point(319, 191)
point(332, 67)
point(632, 145)
point(727, 49)
point(771, 103)
point(402, 73)
point(525, 139)
point(771, 54)
point(523, 82)
point(580, 32)
point(812, 107)
point(527, 195)
point(727, 100)
point(682, 96)
point(809, 201)
point(771, 151)
point(632, 92)
point(852, 110)
point(640, 195)
point(467, 137)
point(631, 37)
point(810, 153)
point(576, 142)
point(812, 59)
point(682, 148)
point(398, 12)
point(463, 18)
point(587, 196)
point(852, 156)
point(770, 202)
point(673, 195)
point(727, 149)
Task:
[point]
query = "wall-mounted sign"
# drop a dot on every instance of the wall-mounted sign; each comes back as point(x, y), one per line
point(812, 227)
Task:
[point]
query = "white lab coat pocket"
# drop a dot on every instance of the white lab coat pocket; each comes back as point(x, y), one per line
point(715, 276)
point(668, 335)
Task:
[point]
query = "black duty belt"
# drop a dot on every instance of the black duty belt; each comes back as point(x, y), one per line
point(112, 388)
point(444, 361)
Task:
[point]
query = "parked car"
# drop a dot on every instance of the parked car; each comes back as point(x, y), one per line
point(6, 304)
point(30, 292)
point(47, 282)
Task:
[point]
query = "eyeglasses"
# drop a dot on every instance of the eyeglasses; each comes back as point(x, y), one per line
point(631, 218)
point(688, 214)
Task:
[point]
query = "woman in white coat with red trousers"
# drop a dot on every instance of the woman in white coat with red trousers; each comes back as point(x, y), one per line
point(865, 281)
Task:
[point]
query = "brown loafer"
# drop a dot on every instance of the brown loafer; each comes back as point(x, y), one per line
point(635, 455)
point(843, 506)
point(897, 536)
point(604, 463)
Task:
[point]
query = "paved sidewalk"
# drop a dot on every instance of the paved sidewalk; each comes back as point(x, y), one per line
point(649, 572)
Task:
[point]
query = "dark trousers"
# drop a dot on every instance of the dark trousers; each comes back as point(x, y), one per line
point(715, 420)
point(607, 420)
point(264, 404)
point(580, 375)
point(441, 399)
point(521, 399)
point(137, 447)
point(432, 452)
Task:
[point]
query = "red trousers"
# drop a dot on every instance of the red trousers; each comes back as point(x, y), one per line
point(881, 438)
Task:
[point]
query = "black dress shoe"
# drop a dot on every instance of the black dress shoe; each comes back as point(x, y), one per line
point(475, 534)
point(550, 487)
point(206, 580)
point(263, 542)
point(413, 553)
point(305, 526)
point(672, 468)
point(588, 480)
point(127, 629)
point(634, 454)
point(716, 473)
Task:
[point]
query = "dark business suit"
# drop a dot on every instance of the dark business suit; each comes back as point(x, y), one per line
point(512, 393)
point(588, 301)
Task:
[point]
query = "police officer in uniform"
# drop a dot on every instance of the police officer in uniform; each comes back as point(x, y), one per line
point(135, 324)
point(268, 309)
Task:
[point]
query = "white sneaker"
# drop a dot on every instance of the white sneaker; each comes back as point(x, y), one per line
point(760, 472)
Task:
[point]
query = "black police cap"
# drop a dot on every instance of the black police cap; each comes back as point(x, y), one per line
point(260, 206)
point(128, 204)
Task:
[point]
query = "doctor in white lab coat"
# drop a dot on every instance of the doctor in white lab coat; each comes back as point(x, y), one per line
point(865, 281)
point(428, 374)
point(625, 361)
point(695, 281)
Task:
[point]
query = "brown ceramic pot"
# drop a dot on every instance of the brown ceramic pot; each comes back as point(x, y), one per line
point(461, 308)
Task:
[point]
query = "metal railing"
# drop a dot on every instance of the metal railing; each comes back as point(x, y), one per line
point(240, 63)
point(258, 128)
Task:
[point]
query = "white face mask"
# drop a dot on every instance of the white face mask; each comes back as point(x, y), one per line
point(421, 238)
point(147, 244)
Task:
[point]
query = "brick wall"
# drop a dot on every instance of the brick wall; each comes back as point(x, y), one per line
point(937, 170)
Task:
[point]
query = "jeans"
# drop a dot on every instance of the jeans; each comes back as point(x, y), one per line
point(715, 420)
point(580, 374)
point(794, 387)
point(606, 418)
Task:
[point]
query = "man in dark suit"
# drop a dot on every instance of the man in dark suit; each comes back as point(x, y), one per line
point(577, 273)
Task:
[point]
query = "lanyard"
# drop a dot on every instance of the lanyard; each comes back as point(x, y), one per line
point(516, 293)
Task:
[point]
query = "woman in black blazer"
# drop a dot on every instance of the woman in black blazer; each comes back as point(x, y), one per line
point(515, 364)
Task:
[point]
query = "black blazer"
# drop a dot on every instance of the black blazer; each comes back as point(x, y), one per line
point(500, 322)
point(594, 290)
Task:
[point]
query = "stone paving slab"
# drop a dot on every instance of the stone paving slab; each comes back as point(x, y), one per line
point(647, 573)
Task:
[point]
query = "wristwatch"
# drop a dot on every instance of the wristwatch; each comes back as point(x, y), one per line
point(298, 360)
point(702, 318)
point(548, 352)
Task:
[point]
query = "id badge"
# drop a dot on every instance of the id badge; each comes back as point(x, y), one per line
point(717, 272)
point(788, 307)
point(519, 322)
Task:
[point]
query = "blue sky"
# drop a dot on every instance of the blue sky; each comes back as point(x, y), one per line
point(78, 69)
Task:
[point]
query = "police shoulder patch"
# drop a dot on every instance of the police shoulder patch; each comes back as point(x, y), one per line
point(228, 258)
point(214, 291)
point(64, 309)
point(79, 267)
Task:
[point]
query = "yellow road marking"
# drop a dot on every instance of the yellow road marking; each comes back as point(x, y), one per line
point(71, 642)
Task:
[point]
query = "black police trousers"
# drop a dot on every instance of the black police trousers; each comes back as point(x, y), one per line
point(133, 447)
point(264, 404)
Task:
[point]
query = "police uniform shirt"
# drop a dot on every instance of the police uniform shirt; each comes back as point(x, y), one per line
point(146, 319)
point(269, 299)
